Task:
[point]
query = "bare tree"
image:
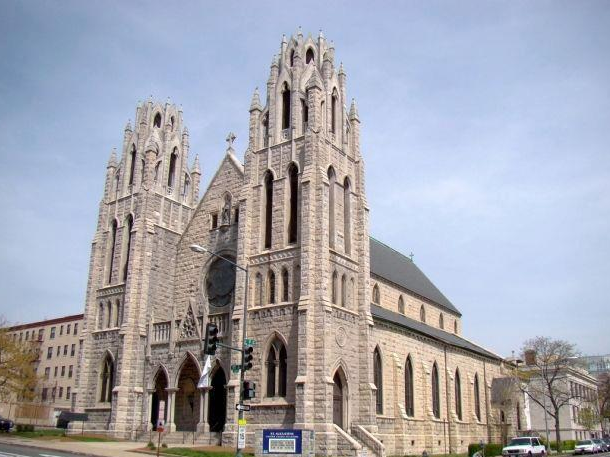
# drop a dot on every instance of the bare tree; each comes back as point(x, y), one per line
point(543, 378)
point(604, 396)
point(17, 373)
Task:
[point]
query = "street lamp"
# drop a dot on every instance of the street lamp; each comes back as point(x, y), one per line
point(240, 414)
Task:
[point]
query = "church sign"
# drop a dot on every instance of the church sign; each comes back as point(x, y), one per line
point(282, 441)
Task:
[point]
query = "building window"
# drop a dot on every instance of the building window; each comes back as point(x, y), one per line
point(55, 372)
point(268, 209)
point(63, 371)
point(276, 369)
point(45, 393)
point(132, 164)
point(52, 333)
point(72, 350)
point(187, 186)
point(271, 287)
point(333, 288)
point(458, 395)
point(47, 372)
point(409, 393)
point(333, 111)
point(27, 335)
point(376, 298)
point(75, 328)
point(401, 305)
point(53, 392)
point(61, 393)
point(477, 400)
point(422, 314)
point(293, 175)
point(455, 326)
point(347, 216)
point(343, 290)
point(285, 285)
point(49, 352)
point(258, 289)
point(40, 334)
point(309, 55)
point(157, 121)
point(378, 380)
point(58, 351)
point(68, 389)
point(126, 246)
point(70, 369)
point(66, 349)
point(285, 106)
point(111, 249)
point(214, 221)
point(441, 321)
point(436, 398)
point(331, 207)
point(68, 329)
point(171, 176)
point(106, 380)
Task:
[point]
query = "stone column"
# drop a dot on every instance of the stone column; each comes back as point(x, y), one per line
point(149, 421)
point(203, 426)
point(171, 404)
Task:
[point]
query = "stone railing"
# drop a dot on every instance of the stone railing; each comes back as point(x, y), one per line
point(161, 332)
point(369, 440)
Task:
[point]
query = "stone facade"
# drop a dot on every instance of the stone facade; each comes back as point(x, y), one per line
point(295, 215)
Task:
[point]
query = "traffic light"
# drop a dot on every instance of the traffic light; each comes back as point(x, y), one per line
point(249, 390)
point(211, 338)
point(248, 350)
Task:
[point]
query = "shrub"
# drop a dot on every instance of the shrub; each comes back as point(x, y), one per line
point(164, 445)
point(472, 448)
point(151, 445)
point(25, 427)
point(493, 449)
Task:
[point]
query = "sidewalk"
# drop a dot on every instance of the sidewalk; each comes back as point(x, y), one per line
point(98, 449)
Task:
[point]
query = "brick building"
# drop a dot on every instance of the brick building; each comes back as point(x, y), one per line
point(353, 340)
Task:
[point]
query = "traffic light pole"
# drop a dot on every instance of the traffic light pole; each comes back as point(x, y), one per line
point(240, 412)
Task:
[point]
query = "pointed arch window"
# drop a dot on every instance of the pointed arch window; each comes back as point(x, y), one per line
point(271, 287)
point(100, 316)
point(422, 314)
point(333, 288)
point(157, 167)
point(409, 393)
point(458, 395)
point(401, 305)
point(347, 216)
point(292, 58)
point(376, 298)
point(285, 285)
point(142, 170)
point(276, 369)
point(331, 206)
point(333, 111)
point(108, 319)
point(132, 164)
point(305, 113)
point(171, 177)
point(187, 186)
point(157, 121)
point(126, 246)
point(293, 175)
point(309, 56)
point(285, 106)
point(116, 184)
point(268, 208)
point(343, 290)
point(436, 397)
point(111, 249)
point(266, 130)
point(378, 381)
point(477, 398)
point(441, 321)
point(106, 380)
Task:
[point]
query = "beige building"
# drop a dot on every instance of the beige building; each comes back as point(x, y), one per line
point(56, 342)
point(353, 341)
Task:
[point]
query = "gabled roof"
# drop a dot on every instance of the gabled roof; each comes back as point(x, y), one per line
point(399, 269)
point(419, 327)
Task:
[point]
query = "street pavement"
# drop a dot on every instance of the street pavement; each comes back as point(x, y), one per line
point(16, 447)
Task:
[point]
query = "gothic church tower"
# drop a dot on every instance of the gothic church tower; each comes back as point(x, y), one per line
point(149, 197)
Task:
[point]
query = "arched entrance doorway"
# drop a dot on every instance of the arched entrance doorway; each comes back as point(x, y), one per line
point(159, 395)
point(186, 411)
point(340, 399)
point(217, 409)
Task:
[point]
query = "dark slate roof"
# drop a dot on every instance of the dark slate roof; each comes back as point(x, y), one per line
point(419, 327)
point(399, 269)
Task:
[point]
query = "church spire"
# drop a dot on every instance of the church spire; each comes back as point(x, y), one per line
point(255, 105)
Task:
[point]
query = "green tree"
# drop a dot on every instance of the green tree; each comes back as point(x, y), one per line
point(588, 418)
point(17, 371)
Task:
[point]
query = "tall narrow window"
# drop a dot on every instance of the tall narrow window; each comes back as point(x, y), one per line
point(436, 396)
point(376, 298)
point(352, 292)
point(441, 321)
point(455, 327)
point(276, 369)
point(268, 208)
point(422, 314)
point(458, 395)
point(333, 288)
point(309, 55)
point(258, 289)
point(343, 291)
point(142, 170)
point(333, 111)
point(271, 287)
point(347, 216)
point(111, 249)
point(126, 245)
point(132, 164)
point(285, 285)
point(296, 283)
point(304, 113)
point(294, 203)
point(187, 186)
point(171, 177)
point(157, 167)
point(292, 58)
point(116, 184)
point(266, 130)
point(401, 305)
point(106, 380)
point(157, 121)
point(331, 206)
point(285, 106)
point(100, 318)
point(378, 381)
point(409, 394)
point(477, 399)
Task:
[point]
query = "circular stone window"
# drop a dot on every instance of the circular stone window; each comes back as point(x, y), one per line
point(220, 283)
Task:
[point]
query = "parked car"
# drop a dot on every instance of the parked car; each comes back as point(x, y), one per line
point(603, 447)
point(524, 446)
point(607, 441)
point(586, 447)
point(6, 424)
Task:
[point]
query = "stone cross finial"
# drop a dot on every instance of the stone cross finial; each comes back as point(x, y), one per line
point(230, 139)
point(411, 256)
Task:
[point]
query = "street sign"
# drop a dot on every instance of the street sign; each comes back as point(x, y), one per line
point(249, 342)
point(241, 437)
point(235, 368)
point(239, 407)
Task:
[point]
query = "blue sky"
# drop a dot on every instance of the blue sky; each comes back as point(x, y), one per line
point(485, 133)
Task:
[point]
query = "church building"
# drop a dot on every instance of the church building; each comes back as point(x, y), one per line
point(352, 340)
